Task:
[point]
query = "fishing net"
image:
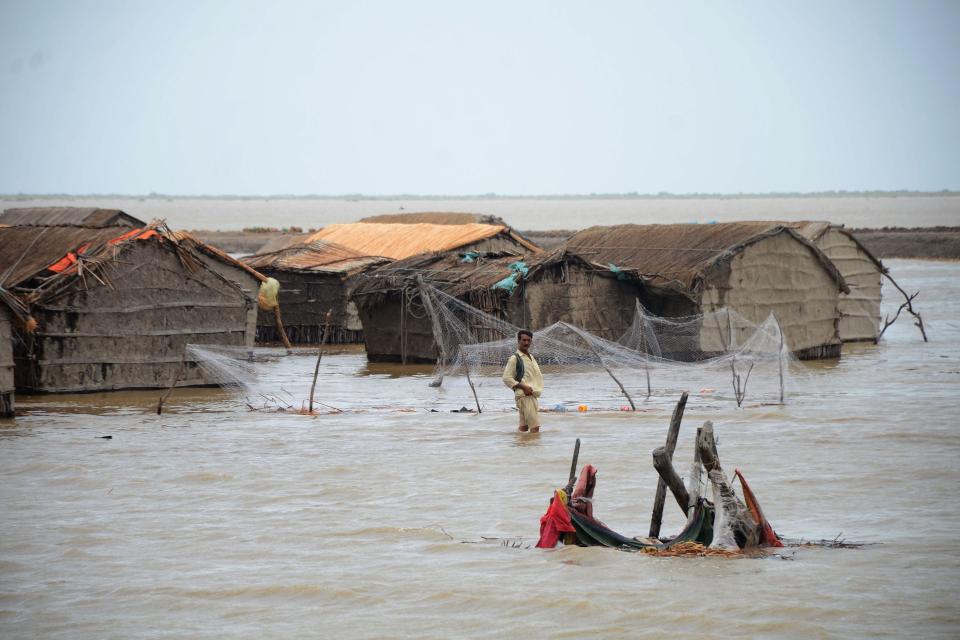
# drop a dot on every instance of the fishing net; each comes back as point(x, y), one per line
point(655, 356)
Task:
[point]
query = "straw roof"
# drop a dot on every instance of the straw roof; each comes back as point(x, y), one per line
point(73, 216)
point(216, 253)
point(678, 256)
point(28, 251)
point(814, 230)
point(398, 241)
point(435, 217)
point(319, 256)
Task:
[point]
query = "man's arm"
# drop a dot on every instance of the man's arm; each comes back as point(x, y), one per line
point(509, 372)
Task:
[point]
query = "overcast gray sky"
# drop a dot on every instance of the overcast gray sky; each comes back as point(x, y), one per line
point(552, 97)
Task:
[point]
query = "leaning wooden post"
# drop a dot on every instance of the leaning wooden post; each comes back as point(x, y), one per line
point(316, 369)
point(437, 330)
point(671, 445)
point(573, 469)
point(603, 364)
point(696, 470)
point(707, 447)
point(283, 333)
point(176, 379)
point(661, 462)
point(466, 367)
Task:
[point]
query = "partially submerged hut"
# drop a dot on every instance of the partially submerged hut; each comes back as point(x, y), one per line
point(314, 278)
point(6, 364)
point(242, 275)
point(69, 216)
point(752, 268)
point(316, 274)
point(114, 308)
point(533, 291)
point(863, 273)
point(399, 241)
point(435, 217)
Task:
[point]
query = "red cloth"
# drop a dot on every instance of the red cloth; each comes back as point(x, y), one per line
point(553, 523)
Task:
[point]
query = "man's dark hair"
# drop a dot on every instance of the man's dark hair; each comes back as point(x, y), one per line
point(524, 332)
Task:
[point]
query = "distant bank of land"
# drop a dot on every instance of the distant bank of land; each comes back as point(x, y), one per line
point(930, 243)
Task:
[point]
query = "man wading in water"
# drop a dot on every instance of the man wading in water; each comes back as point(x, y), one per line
point(522, 374)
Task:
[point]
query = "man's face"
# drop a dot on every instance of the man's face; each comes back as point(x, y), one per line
point(524, 342)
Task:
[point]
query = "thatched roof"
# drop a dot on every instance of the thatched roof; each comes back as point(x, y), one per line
point(814, 230)
point(678, 256)
point(398, 241)
point(59, 252)
point(216, 253)
point(72, 216)
point(435, 217)
point(318, 256)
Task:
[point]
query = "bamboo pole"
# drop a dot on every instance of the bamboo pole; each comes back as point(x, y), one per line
point(670, 446)
point(316, 369)
point(466, 366)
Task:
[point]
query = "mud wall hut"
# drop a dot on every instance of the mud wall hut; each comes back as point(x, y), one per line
point(314, 278)
point(749, 267)
point(6, 364)
point(863, 273)
point(236, 271)
point(531, 291)
point(70, 216)
point(114, 308)
point(319, 279)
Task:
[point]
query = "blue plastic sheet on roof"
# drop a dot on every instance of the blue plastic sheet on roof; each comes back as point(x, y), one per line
point(519, 270)
point(519, 267)
point(469, 256)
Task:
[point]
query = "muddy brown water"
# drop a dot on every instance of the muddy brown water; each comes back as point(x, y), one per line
point(217, 521)
point(528, 213)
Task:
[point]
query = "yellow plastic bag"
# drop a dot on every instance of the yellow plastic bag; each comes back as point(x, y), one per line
point(269, 290)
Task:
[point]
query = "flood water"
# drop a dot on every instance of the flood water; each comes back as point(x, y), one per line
point(215, 520)
point(526, 213)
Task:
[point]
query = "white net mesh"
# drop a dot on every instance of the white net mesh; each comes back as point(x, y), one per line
point(655, 356)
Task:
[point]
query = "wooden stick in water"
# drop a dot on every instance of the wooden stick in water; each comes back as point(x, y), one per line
point(316, 369)
point(176, 379)
point(280, 329)
point(573, 468)
point(663, 465)
point(673, 433)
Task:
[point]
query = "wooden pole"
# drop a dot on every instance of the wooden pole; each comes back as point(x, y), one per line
point(671, 445)
point(573, 468)
point(696, 469)
point(661, 462)
point(707, 447)
point(580, 333)
point(316, 369)
point(176, 379)
point(283, 333)
point(466, 366)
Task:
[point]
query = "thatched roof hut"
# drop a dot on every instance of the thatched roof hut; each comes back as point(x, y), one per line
point(435, 217)
point(863, 273)
point(113, 307)
point(6, 363)
point(399, 241)
point(314, 278)
point(69, 216)
point(751, 267)
point(533, 291)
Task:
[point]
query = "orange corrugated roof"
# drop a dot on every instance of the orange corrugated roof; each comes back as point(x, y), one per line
point(400, 241)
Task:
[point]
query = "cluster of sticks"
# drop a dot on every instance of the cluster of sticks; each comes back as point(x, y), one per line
point(705, 458)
